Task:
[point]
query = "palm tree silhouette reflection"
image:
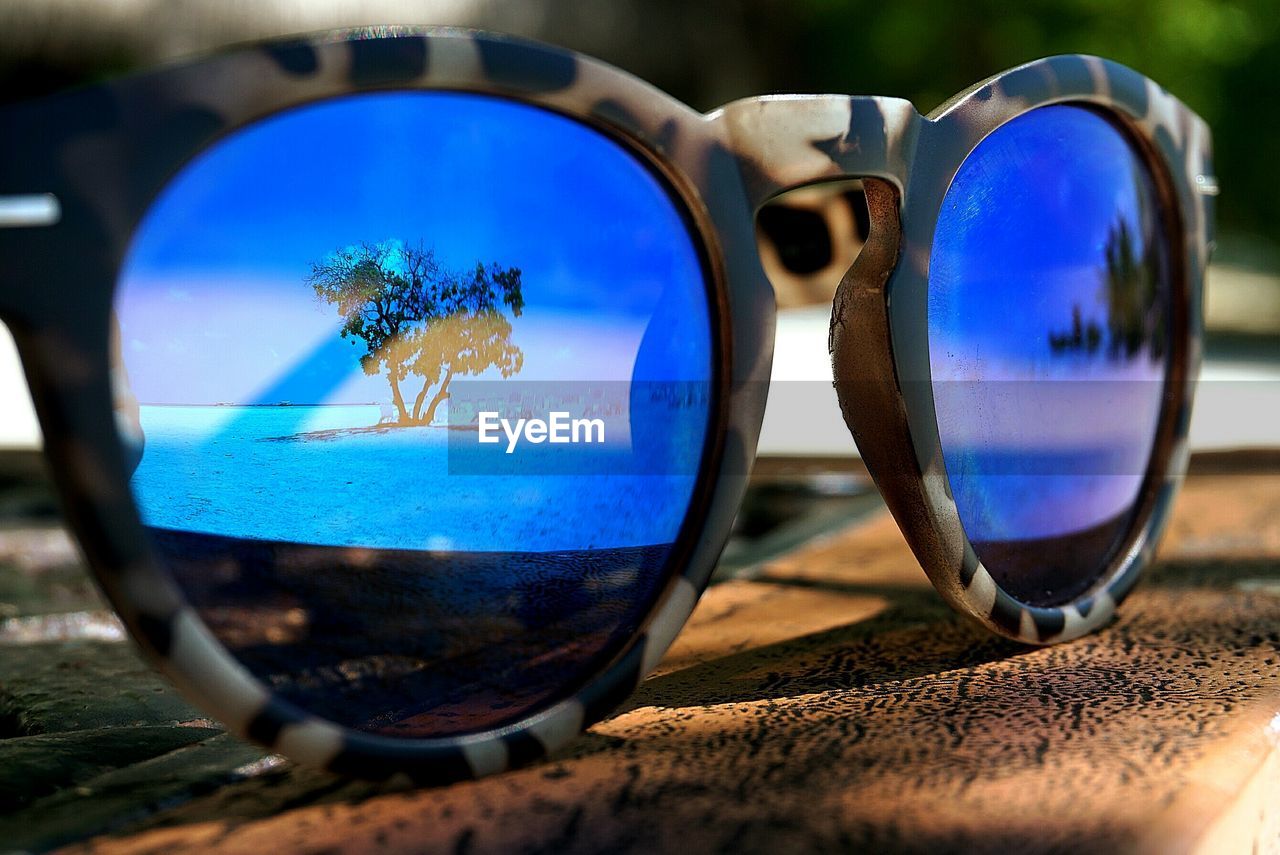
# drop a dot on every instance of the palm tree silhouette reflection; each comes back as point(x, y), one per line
point(1136, 318)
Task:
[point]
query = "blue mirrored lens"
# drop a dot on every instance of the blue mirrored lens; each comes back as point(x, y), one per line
point(1049, 299)
point(330, 327)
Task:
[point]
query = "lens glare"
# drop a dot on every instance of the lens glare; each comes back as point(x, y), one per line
point(1049, 290)
point(340, 327)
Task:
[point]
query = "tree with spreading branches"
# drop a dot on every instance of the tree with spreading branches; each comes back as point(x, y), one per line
point(415, 317)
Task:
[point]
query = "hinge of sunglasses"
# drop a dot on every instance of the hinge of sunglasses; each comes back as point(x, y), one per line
point(1207, 185)
point(29, 211)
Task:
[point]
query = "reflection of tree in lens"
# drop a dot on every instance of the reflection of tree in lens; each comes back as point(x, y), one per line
point(1081, 337)
point(415, 317)
point(1135, 318)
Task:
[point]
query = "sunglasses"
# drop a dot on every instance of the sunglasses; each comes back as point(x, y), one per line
point(401, 387)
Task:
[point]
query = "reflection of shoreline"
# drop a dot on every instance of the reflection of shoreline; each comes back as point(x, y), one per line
point(329, 434)
point(538, 399)
point(207, 468)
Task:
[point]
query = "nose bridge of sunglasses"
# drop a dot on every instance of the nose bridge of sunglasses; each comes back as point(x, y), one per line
point(807, 162)
point(788, 141)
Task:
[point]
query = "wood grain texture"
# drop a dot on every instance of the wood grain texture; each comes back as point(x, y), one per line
point(833, 702)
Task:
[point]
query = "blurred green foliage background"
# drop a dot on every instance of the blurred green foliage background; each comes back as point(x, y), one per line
point(1220, 56)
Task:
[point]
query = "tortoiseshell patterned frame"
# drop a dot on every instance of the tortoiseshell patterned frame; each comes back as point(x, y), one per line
point(879, 326)
point(106, 151)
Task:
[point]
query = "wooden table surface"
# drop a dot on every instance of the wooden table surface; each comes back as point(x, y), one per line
point(826, 700)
